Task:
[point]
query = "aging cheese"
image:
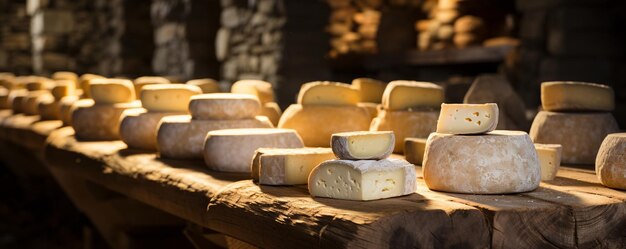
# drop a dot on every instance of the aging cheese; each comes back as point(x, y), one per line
point(111, 91)
point(498, 162)
point(168, 97)
point(576, 96)
point(85, 82)
point(405, 95)
point(206, 85)
point(363, 145)
point(549, 160)
point(232, 150)
point(580, 134)
point(261, 89)
point(65, 107)
point(290, 166)
point(16, 97)
point(317, 123)
point(370, 90)
point(140, 82)
point(372, 108)
point(611, 161)
point(272, 111)
point(62, 75)
point(62, 88)
point(30, 104)
point(414, 149)
point(467, 118)
point(4, 99)
point(362, 180)
point(224, 106)
point(138, 127)
point(49, 109)
point(98, 122)
point(328, 93)
point(182, 137)
point(405, 124)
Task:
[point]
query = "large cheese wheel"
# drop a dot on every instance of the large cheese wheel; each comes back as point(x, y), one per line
point(168, 97)
point(317, 123)
point(580, 134)
point(224, 106)
point(261, 89)
point(576, 96)
point(206, 85)
point(405, 124)
point(65, 107)
point(611, 161)
point(232, 150)
point(183, 138)
point(138, 127)
point(498, 162)
point(99, 122)
point(111, 91)
point(140, 82)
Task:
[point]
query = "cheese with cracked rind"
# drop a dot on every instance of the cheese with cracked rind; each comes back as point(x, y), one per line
point(111, 91)
point(576, 96)
point(168, 97)
point(407, 95)
point(370, 90)
point(288, 166)
point(611, 161)
point(224, 106)
point(549, 160)
point(138, 127)
point(206, 85)
point(414, 149)
point(261, 89)
point(328, 93)
point(363, 145)
point(98, 122)
point(405, 124)
point(467, 118)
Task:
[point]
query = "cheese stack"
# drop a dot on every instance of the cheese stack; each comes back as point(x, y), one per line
point(38, 90)
point(325, 108)
point(138, 126)
point(49, 108)
point(66, 103)
point(67, 76)
point(371, 92)
point(409, 109)
point(577, 116)
point(84, 81)
point(264, 92)
point(182, 136)
point(142, 81)
point(466, 155)
point(363, 171)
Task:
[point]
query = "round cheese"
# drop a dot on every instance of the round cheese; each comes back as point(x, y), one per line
point(261, 89)
point(611, 161)
point(406, 95)
point(580, 134)
point(62, 88)
point(405, 124)
point(111, 91)
point(224, 106)
point(206, 85)
point(576, 96)
point(62, 75)
point(140, 82)
point(498, 162)
point(272, 111)
point(30, 104)
point(65, 107)
point(168, 97)
point(328, 93)
point(49, 109)
point(138, 127)
point(98, 122)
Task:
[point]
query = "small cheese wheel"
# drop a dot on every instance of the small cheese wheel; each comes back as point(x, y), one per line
point(99, 122)
point(232, 150)
point(140, 82)
point(580, 134)
point(66, 104)
point(224, 106)
point(4, 99)
point(363, 145)
point(370, 90)
point(63, 88)
point(111, 91)
point(467, 118)
point(317, 123)
point(372, 108)
point(576, 96)
point(328, 93)
point(168, 97)
point(206, 85)
point(138, 127)
point(289, 166)
point(414, 149)
point(63, 75)
point(610, 163)
point(49, 109)
point(405, 124)
point(499, 162)
point(16, 98)
point(85, 81)
point(362, 180)
point(549, 160)
point(405, 95)
point(37, 83)
point(261, 89)
point(272, 111)
point(30, 104)
point(180, 137)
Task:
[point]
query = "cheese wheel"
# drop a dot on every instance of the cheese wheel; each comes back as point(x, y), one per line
point(35, 85)
point(405, 124)
point(111, 91)
point(576, 96)
point(499, 162)
point(362, 180)
point(98, 122)
point(372, 108)
point(406, 95)
point(30, 104)
point(4, 99)
point(62, 88)
point(232, 150)
point(317, 123)
point(363, 145)
point(610, 163)
point(272, 111)
point(414, 149)
point(49, 109)
point(138, 127)
point(65, 107)
point(580, 134)
point(85, 81)
point(467, 118)
point(140, 82)
point(370, 90)
point(224, 106)
point(549, 160)
point(168, 97)
point(206, 85)
point(63, 75)
point(289, 166)
point(181, 137)
point(328, 93)
point(261, 89)
point(16, 98)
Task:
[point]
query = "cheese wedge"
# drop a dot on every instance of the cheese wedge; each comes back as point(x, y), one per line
point(168, 97)
point(467, 118)
point(363, 145)
point(328, 93)
point(414, 149)
point(549, 160)
point(206, 85)
point(111, 91)
point(370, 90)
point(224, 106)
point(290, 166)
point(258, 88)
point(576, 96)
point(406, 95)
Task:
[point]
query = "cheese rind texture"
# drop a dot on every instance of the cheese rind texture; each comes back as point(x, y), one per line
point(362, 180)
point(328, 93)
point(224, 106)
point(405, 95)
point(405, 124)
point(576, 96)
point(467, 118)
point(261, 89)
point(206, 85)
point(111, 91)
point(580, 134)
point(181, 137)
point(138, 127)
point(232, 150)
point(498, 162)
point(317, 123)
point(549, 160)
point(290, 166)
point(611, 161)
point(363, 145)
point(98, 122)
point(168, 97)
point(414, 149)
point(370, 90)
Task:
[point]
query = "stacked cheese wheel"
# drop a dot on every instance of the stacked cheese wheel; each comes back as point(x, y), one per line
point(142, 81)
point(371, 92)
point(325, 108)
point(38, 90)
point(466, 155)
point(264, 92)
point(409, 109)
point(49, 108)
point(362, 170)
point(577, 116)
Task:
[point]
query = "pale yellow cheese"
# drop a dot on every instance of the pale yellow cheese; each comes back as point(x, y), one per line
point(85, 81)
point(328, 93)
point(610, 163)
point(65, 107)
point(405, 124)
point(206, 85)
point(576, 96)
point(261, 89)
point(363, 145)
point(140, 82)
point(467, 118)
point(289, 166)
point(372, 108)
point(272, 111)
point(63, 88)
point(549, 160)
point(138, 127)
point(63, 75)
point(370, 90)
point(98, 122)
point(30, 104)
point(168, 97)
point(224, 106)
point(414, 149)
point(406, 95)
point(111, 91)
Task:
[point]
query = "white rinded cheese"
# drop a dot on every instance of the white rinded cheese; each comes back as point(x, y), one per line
point(317, 123)
point(576, 96)
point(261, 89)
point(30, 104)
point(498, 162)
point(549, 160)
point(370, 90)
point(98, 122)
point(611, 161)
point(85, 83)
point(65, 107)
point(405, 124)
point(140, 82)
point(272, 111)
point(138, 127)
point(111, 91)
point(224, 106)
point(328, 93)
point(467, 118)
point(168, 97)
point(232, 150)
point(362, 180)
point(289, 166)
point(63, 88)
point(49, 109)
point(580, 134)
point(414, 149)
point(363, 145)
point(181, 137)
point(406, 95)
point(206, 85)
point(4, 98)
